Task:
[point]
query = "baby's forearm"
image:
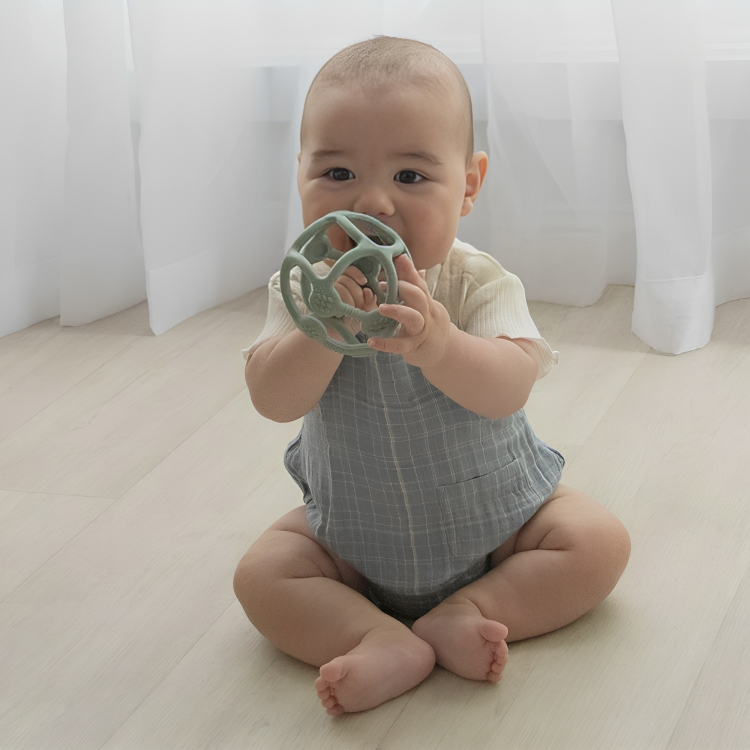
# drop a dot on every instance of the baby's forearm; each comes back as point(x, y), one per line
point(491, 377)
point(287, 375)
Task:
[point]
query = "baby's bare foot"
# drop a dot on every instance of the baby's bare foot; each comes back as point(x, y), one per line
point(388, 662)
point(465, 642)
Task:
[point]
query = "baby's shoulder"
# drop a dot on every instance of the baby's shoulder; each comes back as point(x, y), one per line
point(472, 266)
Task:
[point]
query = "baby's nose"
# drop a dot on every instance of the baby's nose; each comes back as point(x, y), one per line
point(374, 202)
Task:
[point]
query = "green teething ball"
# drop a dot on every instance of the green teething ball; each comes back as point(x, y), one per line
point(375, 248)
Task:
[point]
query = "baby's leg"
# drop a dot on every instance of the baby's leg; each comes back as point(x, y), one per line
point(310, 604)
point(562, 563)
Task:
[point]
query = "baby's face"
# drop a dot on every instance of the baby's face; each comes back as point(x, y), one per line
point(393, 154)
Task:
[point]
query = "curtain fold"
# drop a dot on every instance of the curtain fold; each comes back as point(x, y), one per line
point(102, 269)
point(33, 135)
point(562, 213)
point(618, 133)
point(662, 74)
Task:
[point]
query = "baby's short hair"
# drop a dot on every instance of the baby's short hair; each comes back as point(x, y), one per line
point(387, 60)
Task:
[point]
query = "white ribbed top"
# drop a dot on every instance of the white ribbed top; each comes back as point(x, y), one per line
point(481, 297)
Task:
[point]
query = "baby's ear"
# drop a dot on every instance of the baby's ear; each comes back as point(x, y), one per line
point(475, 173)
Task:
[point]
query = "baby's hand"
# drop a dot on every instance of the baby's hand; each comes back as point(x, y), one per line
point(352, 290)
point(425, 323)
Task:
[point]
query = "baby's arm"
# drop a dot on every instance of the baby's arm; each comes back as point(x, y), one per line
point(286, 375)
point(491, 377)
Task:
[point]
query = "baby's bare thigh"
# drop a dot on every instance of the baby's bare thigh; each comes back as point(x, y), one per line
point(291, 542)
point(566, 517)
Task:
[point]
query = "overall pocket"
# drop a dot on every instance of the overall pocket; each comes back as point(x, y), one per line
point(480, 514)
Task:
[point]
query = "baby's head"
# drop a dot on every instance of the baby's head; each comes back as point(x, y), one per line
point(387, 131)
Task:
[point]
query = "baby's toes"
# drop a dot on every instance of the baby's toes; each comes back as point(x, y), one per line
point(323, 688)
point(327, 697)
point(498, 663)
point(496, 672)
point(335, 710)
point(494, 632)
point(501, 652)
point(498, 666)
point(329, 702)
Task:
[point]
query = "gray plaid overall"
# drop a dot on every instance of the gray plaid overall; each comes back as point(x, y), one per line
point(412, 489)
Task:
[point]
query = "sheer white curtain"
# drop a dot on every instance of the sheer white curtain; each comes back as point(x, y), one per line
point(618, 134)
point(33, 135)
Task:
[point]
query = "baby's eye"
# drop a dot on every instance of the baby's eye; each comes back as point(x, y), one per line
point(408, 177)
point(340, 174)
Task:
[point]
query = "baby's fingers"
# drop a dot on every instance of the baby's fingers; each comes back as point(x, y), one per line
point(354, 273)
point(412, 322)
point(350, 292)
point(370, 301)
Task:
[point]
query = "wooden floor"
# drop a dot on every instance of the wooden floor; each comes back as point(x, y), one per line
point(134, 473)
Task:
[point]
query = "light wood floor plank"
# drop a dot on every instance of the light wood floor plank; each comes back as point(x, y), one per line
point(717, 713)
point(569, 452)
point(110, 430)
point(235, 690)
point(598, 355)
point(461, 714)
point(33, 528)
point(41, 363)
point(667, 401)
point(108, 617)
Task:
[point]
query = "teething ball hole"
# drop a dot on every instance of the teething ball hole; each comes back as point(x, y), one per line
point(341, 241)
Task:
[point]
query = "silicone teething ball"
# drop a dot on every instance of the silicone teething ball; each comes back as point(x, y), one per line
point(375, 248)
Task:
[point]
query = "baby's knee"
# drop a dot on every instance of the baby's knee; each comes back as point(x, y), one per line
point(620, 543)
point(248, 579)
point(607, 550)
point(244, 574)
point(598, 540)
point(276, 556)
point(613, 542)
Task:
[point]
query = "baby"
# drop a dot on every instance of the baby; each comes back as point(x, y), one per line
point(434, 527)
